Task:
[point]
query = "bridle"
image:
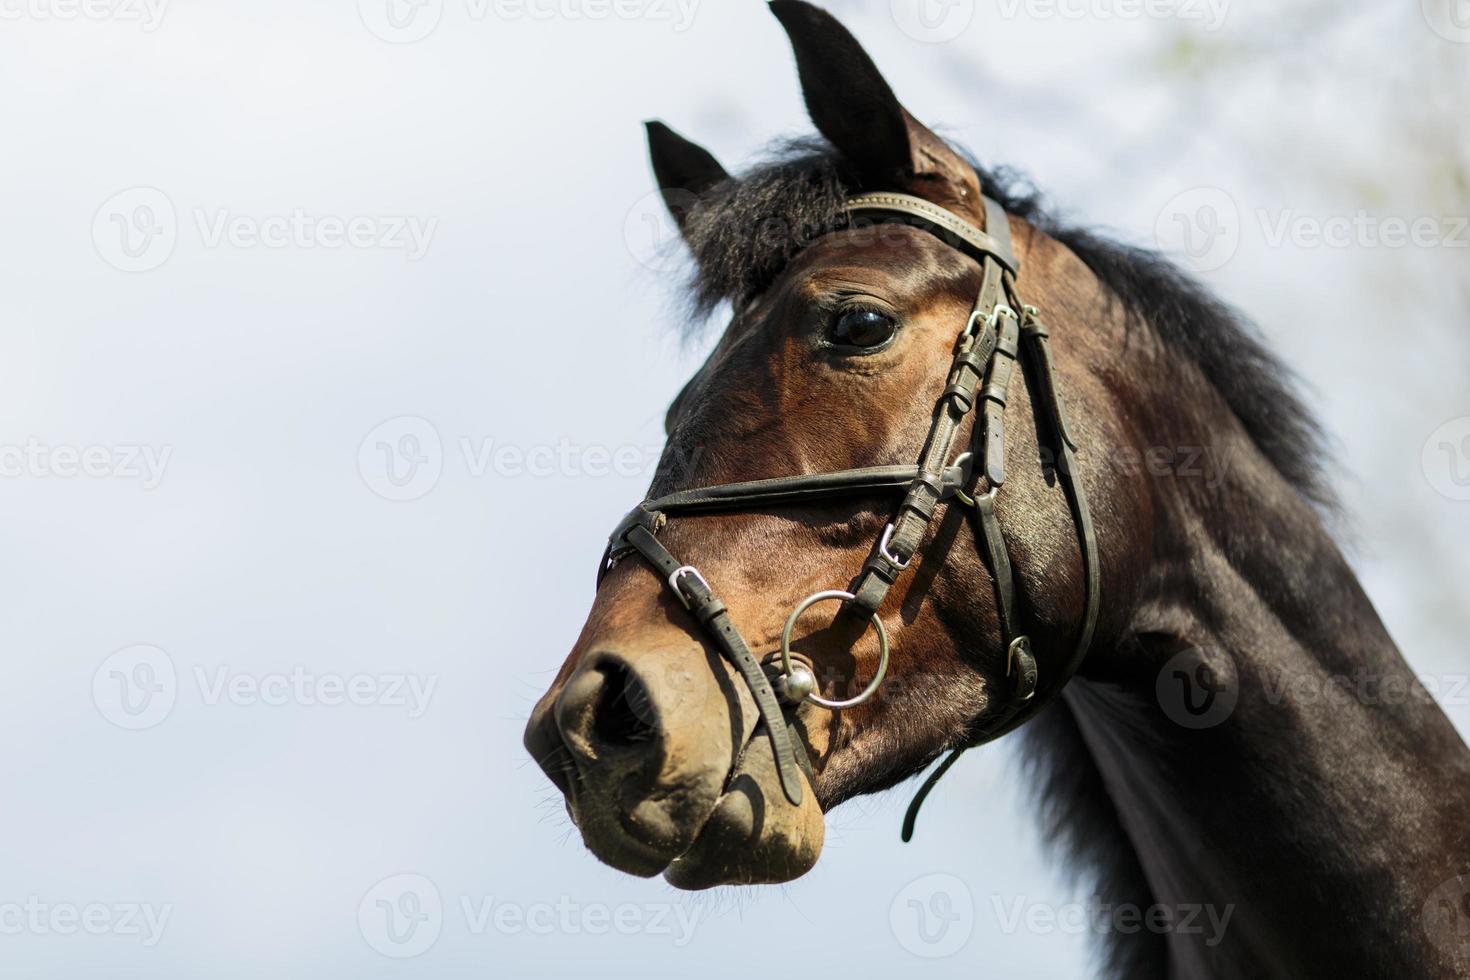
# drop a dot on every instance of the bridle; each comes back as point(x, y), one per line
point(986, 351)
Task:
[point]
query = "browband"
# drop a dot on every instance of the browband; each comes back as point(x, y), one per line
point(942, 223)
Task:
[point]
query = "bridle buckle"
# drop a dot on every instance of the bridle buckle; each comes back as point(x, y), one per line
point(980, 316)
point(678, 574)
point(888, 555)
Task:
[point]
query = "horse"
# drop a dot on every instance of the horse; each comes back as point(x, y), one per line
point(1211, 713)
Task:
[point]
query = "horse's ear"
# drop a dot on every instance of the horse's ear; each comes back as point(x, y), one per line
point(684, 170)
point(852, 105)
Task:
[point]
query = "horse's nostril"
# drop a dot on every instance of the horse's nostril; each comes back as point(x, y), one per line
point(625, 713)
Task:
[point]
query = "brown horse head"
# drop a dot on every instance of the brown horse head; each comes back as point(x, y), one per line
point(1186, 761)
point(840, 345)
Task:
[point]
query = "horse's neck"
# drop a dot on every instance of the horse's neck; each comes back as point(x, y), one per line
point(1328, 803)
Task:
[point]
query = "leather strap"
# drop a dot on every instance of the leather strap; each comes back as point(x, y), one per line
point(940, 222)
point(997, 387)
point(1036, 335)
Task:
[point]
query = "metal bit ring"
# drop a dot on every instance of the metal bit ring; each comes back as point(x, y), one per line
point(786, 665)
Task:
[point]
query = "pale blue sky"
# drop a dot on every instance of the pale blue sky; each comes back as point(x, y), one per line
point(497, 166)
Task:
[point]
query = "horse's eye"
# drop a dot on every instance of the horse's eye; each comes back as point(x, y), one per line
point(863, 328)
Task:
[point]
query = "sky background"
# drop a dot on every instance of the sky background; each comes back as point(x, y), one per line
point(338, 335)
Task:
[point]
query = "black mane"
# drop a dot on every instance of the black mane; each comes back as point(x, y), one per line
point(746, 229)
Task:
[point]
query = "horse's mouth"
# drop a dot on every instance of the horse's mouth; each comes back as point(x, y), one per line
point(744, 832)
point(754, 835)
